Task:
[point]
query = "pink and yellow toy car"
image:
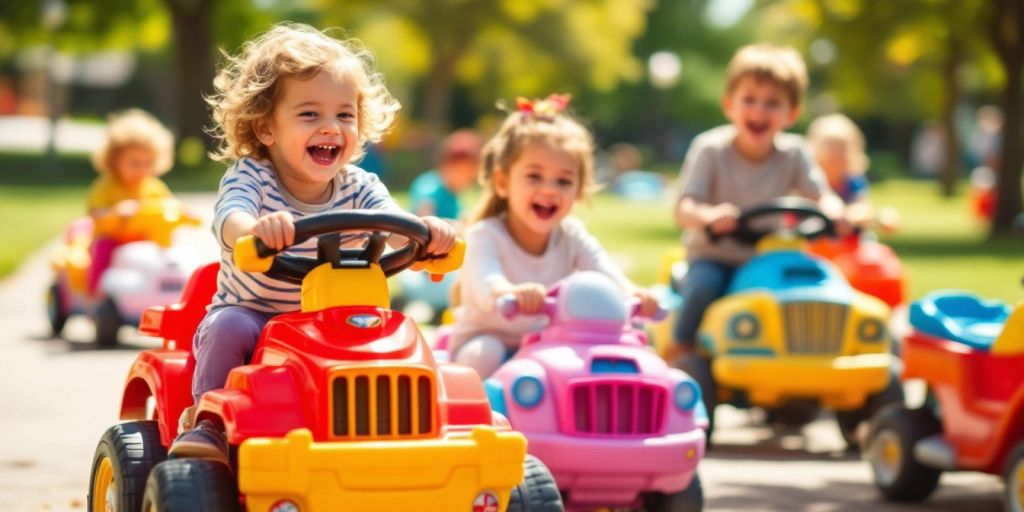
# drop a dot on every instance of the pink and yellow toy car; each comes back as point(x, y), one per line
point(146, 268)
point(616, 426)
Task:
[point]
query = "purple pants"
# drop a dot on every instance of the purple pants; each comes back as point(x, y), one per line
point(224, 340)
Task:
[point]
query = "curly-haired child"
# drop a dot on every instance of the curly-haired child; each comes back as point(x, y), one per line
point(293, 111)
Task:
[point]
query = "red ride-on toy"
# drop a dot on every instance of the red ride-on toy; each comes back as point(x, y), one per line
point(342, 406)
point(971, 355)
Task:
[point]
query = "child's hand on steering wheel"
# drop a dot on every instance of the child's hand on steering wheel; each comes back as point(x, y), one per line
point(722, 218)
point(442, 236)
point(530, 297)
point(649, 306)
point(276, 230)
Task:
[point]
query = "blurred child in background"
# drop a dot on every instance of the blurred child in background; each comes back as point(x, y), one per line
point(138, 150)
point(436, 192)
point(746, 163)
point(522, 240)
point(839, 148)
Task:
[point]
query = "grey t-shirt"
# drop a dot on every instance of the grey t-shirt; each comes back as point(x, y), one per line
point(714, 172)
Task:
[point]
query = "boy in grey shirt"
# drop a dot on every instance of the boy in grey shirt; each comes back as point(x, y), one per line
point(743, 164)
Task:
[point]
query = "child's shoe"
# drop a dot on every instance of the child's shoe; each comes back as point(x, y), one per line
point(205, 441)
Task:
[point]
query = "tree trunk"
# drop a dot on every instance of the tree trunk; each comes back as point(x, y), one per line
point(437, 97)
point(1008, 37)
point(195, 55)
point(952, 170)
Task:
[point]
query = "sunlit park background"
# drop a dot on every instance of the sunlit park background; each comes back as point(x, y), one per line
point(936, 85)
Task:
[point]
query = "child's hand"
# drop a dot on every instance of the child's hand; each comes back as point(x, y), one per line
point(530, 297)
point(126, 208)
point(649, 305)
point(721, 218)
point(442, 236)
point(276, 230)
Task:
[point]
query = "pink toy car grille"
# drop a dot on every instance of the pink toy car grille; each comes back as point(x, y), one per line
point(382, 406)
point(814, 327)
point(617, 408)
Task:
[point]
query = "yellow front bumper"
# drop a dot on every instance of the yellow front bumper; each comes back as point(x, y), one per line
point(838, 382)
point(444, 474)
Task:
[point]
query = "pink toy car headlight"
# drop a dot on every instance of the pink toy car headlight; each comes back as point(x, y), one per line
point(527, 391)
point(686, 395)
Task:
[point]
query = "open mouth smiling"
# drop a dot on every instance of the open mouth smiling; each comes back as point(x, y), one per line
point(757, 128)
point(323, 154)
point(544, 212)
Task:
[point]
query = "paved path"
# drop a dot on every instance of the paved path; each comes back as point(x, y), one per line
point(58, 396)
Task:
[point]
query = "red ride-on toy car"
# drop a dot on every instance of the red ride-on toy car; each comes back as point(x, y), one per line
point(342, 406)
point(971, 355)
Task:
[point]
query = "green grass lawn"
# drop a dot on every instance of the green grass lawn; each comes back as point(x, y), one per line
point(941, 245)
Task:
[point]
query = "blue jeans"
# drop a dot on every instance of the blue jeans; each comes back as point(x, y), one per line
point(705, 282)
point(225, 339)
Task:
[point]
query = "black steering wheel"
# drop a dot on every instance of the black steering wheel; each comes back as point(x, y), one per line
point(328, 228)
point(812, 221)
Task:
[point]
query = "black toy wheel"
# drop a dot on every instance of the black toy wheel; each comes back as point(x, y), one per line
point(56, 311)
point(108, 322)
point(191, 485)
point(538, 492)
point(690, 499)
point(890, 452)
point(850, 421)
point(124, 457)
point(1013, 478)
point(699, 368)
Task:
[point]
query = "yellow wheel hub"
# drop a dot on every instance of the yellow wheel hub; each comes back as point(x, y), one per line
point(886, 456)
point(104, 490)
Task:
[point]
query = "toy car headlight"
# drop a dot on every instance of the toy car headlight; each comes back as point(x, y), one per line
point(686, 395)
point(871, 329)
point(284, 506)
point(744, 327)
point(527, 391)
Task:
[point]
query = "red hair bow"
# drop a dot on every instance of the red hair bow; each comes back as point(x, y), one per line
point(551, 106)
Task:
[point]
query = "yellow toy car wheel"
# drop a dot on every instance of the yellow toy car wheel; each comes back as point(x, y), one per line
point(124, 457)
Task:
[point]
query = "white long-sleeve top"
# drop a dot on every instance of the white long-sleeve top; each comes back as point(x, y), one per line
point(494, 260)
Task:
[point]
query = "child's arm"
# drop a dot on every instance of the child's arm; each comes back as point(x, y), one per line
point(720, 218)
point(833, 207)
point(484, 279)
point(276, 229)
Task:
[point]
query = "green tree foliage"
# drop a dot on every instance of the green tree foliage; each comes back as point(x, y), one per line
point(495, 48)
point(912, 60)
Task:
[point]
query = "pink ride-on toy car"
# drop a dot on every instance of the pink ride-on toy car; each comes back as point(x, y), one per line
point(146, 268)
point(616, 426)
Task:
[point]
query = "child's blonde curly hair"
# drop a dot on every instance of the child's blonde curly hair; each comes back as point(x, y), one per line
point(134, 128)
point(535, 125)
point(249, 84)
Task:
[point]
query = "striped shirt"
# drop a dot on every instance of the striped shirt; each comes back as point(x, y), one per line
point(251, 186)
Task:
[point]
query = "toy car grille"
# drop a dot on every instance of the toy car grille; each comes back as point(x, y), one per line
point(814, 327)
point(382, 405)
point(616, 408)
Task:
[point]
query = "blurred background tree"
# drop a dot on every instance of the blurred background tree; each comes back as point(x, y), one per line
point(642, 71)
point(911, 60)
